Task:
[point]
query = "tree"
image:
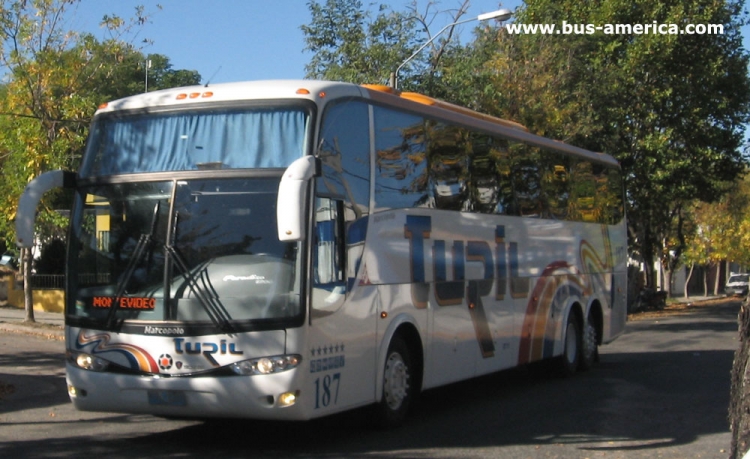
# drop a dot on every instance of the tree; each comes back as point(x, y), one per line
point(719, 230)
point(671, 108)
point(349, 45)
point(358, 45)
point(56, 79)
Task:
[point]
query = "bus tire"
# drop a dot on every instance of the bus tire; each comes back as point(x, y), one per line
point(589, 346)
point(570, 359)
point(398, 390)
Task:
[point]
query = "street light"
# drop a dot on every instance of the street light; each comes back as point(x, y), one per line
point(147, 65)
point(500, 15)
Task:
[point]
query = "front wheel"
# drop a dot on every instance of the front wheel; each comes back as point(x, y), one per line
point(398, 392)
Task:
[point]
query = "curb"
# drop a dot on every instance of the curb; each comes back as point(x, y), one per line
point(47, 331)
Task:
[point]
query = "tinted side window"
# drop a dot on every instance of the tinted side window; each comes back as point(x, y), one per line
point(400, 160)
point(345, 154)
point(556, 184)
point(428, 163)
point(448, 148)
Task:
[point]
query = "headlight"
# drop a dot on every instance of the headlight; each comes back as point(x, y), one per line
point(87, 361)
point(266, 365)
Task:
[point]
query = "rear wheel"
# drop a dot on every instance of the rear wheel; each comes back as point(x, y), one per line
point(398, 391)
point(589, 348)
point(569, 360)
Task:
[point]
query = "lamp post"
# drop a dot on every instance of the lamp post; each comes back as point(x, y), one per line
point(147, 65)
point(500, 15)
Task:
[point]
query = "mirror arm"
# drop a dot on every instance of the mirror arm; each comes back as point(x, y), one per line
point(32, 194)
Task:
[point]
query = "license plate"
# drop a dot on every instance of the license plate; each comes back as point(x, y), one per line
point(167, 397)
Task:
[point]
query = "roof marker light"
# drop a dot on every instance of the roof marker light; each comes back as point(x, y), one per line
point(194, 95)
point(181, 96)
point(303, 91)
point(207, 94)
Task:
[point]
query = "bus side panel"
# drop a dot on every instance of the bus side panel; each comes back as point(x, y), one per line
point(497, 289)
point(619, 301)
point(341, 351)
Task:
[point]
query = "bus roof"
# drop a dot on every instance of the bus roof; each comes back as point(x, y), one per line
point(320, 91)
point(226, 92)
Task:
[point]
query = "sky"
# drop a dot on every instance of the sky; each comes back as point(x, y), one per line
point(237, 40)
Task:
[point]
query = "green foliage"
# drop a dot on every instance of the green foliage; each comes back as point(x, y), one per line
point(56, 78)
point(671, 108)
point(349, 44)
point(721, 230)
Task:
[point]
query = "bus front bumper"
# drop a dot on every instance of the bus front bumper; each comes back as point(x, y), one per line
point(274, 396)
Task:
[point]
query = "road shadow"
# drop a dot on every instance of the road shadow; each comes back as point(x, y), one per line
point(32, 380)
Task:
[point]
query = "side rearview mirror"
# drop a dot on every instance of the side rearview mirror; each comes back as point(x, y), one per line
point(32, 194)
point(291, 202)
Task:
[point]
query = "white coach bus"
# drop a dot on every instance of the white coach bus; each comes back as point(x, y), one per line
point(291, 249)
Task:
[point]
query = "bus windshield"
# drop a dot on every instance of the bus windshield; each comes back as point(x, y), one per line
point(197, 251)
point(245, 137)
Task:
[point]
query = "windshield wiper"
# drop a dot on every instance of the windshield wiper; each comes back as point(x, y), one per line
point(214, 309)
point(140, 248)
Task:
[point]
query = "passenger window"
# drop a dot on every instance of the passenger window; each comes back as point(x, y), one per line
point(448, 157)
point(345, 154)
point(401, 160)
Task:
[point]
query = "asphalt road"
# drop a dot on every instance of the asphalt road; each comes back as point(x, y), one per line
point(660, 391)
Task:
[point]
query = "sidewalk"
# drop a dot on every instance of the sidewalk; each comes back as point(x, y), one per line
point(48, 324)
point(699, 298)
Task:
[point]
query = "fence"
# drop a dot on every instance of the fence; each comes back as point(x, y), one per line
point(49, 298)
point(47, 281)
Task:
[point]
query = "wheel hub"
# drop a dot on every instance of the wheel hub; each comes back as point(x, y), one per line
point(589, 341)
point(396, 381)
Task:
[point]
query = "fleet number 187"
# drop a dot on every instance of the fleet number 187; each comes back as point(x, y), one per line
point(327, 390)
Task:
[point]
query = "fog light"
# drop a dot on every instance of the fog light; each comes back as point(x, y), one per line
point(75, 392)
point(288, 398)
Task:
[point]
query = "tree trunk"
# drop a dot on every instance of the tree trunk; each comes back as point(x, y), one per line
point(739, 401)
point(667, 281)
point(28, 297)
point(705, 280)
point(687, 281)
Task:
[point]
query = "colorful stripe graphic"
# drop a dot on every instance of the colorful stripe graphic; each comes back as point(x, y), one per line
point(138, 358)
point(558, 282)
